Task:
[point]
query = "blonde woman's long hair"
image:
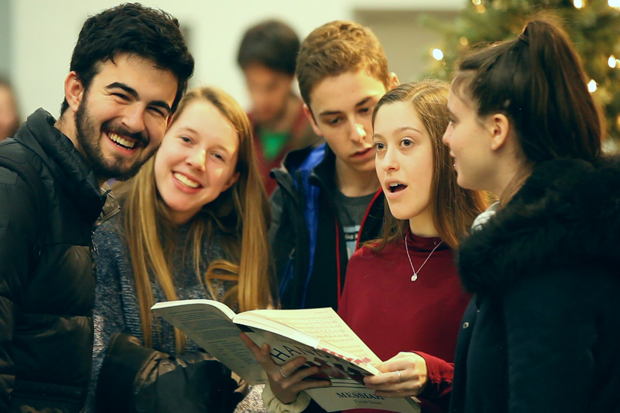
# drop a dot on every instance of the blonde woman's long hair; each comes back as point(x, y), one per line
point(241, 213)
point(453, 208)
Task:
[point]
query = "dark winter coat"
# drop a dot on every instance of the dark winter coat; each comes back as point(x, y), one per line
point(306, 235)
point(543, 332)
point(47, 283)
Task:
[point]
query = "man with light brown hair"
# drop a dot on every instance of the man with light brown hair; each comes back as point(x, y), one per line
point(329, 198)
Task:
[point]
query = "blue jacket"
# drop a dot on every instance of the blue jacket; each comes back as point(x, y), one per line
point(306, 236)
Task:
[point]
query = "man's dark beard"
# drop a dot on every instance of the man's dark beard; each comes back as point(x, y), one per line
point(88, 137)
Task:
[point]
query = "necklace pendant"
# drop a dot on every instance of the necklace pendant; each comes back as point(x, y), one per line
point(415, 273)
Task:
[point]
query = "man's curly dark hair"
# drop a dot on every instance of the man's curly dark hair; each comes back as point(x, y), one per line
point(134, 29)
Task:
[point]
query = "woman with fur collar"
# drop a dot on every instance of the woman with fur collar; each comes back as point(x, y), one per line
point(542, 333)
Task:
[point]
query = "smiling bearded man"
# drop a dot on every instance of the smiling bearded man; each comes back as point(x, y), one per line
point(129, 70)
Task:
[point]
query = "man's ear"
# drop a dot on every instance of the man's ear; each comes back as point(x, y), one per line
point(74, 91)
point(310, 117)
point(393, 81)
point(498, 126)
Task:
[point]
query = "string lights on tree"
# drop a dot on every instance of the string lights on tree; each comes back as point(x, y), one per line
point(593, 25)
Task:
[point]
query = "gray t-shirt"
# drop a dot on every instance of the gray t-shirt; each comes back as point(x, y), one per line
point(351, 211)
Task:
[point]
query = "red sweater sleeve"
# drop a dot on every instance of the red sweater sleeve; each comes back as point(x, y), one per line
point(439, 385)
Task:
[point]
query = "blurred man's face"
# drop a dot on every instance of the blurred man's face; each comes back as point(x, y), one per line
point(8, 112)
point(269, 91)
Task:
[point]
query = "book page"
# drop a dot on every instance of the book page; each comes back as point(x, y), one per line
point(213, 330)
point(325, 324)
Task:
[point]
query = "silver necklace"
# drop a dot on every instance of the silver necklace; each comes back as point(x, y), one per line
point(415, 273)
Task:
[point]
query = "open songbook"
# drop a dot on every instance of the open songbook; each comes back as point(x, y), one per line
point(319, 335)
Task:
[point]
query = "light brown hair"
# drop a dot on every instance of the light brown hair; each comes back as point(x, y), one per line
point(339, 47)
point(453, 208)
point(241, 213)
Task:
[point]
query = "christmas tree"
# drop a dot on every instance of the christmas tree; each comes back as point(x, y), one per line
point(593, 26)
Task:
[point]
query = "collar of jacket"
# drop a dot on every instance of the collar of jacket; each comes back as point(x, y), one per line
point(293, 162)
point(112, 206)
point(64, 161)
point(566, 215)
point(323, 175)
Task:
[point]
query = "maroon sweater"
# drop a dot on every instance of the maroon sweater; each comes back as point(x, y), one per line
point(390, 313)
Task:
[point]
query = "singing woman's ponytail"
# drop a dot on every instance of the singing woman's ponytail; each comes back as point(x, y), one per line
point(537, 81)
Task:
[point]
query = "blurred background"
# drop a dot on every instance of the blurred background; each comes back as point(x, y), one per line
point(38, 36)
point(420, 38)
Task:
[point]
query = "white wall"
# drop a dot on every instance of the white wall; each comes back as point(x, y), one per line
point(45, 32)
point(5, 33)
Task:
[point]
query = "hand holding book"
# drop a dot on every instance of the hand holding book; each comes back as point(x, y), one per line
point(403, 375)
point(317, 352)
point(288, 380)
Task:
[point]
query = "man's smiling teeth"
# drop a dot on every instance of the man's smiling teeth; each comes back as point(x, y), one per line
point(121, 141)
point(186, 181)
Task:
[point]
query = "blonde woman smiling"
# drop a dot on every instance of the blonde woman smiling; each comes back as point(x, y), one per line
point(193, 225)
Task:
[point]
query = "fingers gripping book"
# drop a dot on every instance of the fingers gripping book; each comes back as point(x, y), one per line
point(319, 335)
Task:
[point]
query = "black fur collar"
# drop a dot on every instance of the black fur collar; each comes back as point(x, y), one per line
point(566, 214)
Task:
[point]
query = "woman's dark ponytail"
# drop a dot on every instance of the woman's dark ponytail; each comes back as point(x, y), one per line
point(538, 82)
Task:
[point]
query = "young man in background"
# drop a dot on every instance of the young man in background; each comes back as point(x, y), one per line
point(267, 57)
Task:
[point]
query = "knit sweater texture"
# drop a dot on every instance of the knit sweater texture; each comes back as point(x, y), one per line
point(116, 306)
